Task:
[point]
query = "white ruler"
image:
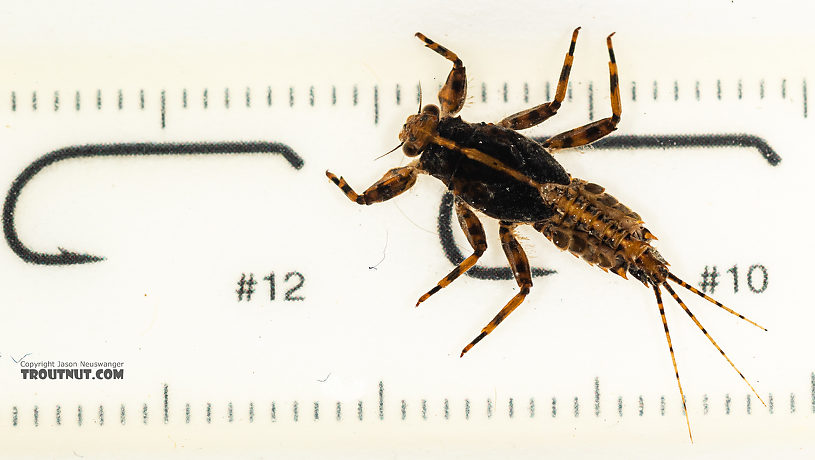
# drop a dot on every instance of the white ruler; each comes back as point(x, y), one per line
point(243, 306)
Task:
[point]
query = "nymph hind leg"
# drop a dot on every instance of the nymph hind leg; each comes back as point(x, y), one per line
point(454, 91)
point(523, 276)
point(538, 114)
point(593, 131)
point(394, 182)
point(478, 240)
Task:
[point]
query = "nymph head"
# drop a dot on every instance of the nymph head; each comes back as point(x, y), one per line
point(419, 130)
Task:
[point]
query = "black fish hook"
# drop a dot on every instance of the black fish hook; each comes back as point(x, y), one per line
point(66, 257)
point(445, 226)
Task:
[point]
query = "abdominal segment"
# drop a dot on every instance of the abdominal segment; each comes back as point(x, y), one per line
point(593, 225)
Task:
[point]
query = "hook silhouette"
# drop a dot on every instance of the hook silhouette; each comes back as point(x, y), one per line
point(445, 227)
point(66, 257)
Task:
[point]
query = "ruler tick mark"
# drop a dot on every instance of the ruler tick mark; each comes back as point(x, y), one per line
point(187, 413)
point(141, 99)
point(591, 101)
point(205, 98)
point(77, 101)
point(641, 405)
point(59, 415)
point(101, 416)
point(248, 97)
point(376, 104)
point(79, 415)
point(295, 411)
point(620, 406)
point(576, 407)
point(531, 407)
point(812, 391)
point(698, 92)
point(446, 409)
point(184, 98)
point(226, 98)
point(727, 404)
point(633, 91)
point(548, 91)
point(511, 408)
point(655, 90)
point(484, 93)
point(34, 101)
point(554, 407)
point(98, 99)
point(13, 101)
point(144, 413)
point(676, 90)
point(359, 410)
point(251, 412)
point(316, 410)
point(165, 392)
point(749, 405)
point(705, 404)
point(770, 405)
point(424, 409)
point(121, 100)
point(355, 97)
point(56, 101)
point(209, 412)
point(381, 400)
point(163, 116)
point(269, 96)
point(526, 92)
point(761, 89)
point(784, 88)
point(14, 416)
point(311, 96)
point(404, 409)
point(339, 411)
point(466, 409)
point(122, 418)
point(719, 90)
point(596, 396)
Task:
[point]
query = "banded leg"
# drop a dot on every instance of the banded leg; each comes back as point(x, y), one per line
point(591, 132)
point(531, 117)
point(673, 357)
point(454, 91)
point(704, 331)
point(523, 276)
point(478, 240)
point(394, 182)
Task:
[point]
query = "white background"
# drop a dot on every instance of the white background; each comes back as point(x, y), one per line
point(178, 232)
